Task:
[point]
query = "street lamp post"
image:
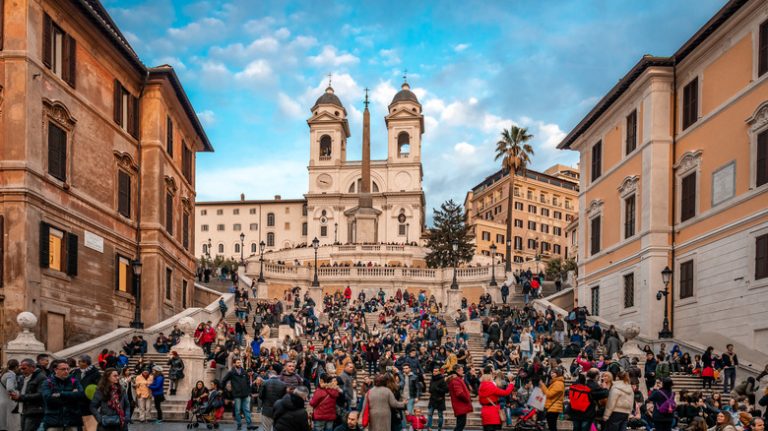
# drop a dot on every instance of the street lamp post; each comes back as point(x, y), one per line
point(242, 239)
point(407, 232)
point(493, 264)
point(666, 274)
point(508, 263)
point(455, 247)
point(137, 323)
point(209, 249)
point(262, 246)
point(315, 245)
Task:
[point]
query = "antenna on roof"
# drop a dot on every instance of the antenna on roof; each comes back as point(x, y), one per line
point(405, 75)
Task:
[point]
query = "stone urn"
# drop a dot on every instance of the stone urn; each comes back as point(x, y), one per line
point(630, 330)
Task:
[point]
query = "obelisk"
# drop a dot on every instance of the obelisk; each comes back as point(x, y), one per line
point(366, 217)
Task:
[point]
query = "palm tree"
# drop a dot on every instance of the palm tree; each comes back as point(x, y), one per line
point(515, 154)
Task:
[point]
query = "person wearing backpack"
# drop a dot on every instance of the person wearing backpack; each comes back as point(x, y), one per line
point(664, 406)
point(580, 404)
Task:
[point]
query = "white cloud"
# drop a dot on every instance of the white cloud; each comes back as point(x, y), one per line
point(259, 26)
point(175, 62)
point(257, 70)
point(460, 47)
point(330, 57)
point(289, 106)
point(389, 57)
point(207, 117)
point(464, 149)
point(282, 33)
point(202, 30)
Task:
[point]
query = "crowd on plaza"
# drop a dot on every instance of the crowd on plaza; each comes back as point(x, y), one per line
point(370, 360)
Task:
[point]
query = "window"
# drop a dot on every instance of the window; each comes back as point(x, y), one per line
point(270, 239)
point(545, 212)
point(203, 212)
point(185, 230)
point(168, 281)
point(205, 248)
point(304, 229)
point(253, 226)
point(220, 227)
point(595, 301)
point(629, 290)
point(124, 193)
point(184, 293)
point(532, 244)
point(517, 192)
point(545, 246)
point(631, 142)
point(486, 236)
point(762, 50)
point(126, 110)
point(57, 152)
point(59, 51)
point(123, 274)
point(204, 228)
point(323, 230)
point(690, 103)
point(252, 211)
point(254, 247)
point(531, 225)
point(597, 161)
point(304, 210)
point(594, 235)
point(219, 212)
point(629, 216)
point(518, 222)
point(688, 197)
point(519, 206)
point(325, 147)
point(568, 204)
point(221, 248)
point(401, 229)
point(270, 219)
point(545, 228)
point(558, 215)
point(761, 257)
point(237, 227)
point(403, 144)
point(237, 248)
point(556, 248)
point(532, 209)
point(555, 201)
point(287, 226)
point(518, 243)
point(499, 239)
point(236, 211)
point(58, 249)
point(169, 213)
point(557, 231)
point(169, 136)
point(529, 195)
point(186, 162)
point(761, 170)
point(568, 217)
point(686, 279)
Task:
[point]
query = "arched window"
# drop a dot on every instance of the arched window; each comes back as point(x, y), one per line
point(237, 248)
point(271, 219)
point(254, 247)
point(402, 225)
point(403, 144)
point(354, 187)
point(325, 147)
point(270, 239)
point(205, 248)
point(221, 248)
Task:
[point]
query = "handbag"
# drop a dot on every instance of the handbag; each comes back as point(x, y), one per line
point(366, 413)
point(110, 420)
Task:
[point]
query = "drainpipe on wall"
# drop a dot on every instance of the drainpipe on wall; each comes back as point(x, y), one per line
point(671, 296)
point(138, 181)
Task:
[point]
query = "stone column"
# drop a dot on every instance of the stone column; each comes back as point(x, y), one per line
point(25, 345)
point(193, 357)
point(454, 299)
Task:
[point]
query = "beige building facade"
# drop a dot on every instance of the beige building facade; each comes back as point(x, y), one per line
point(675, 174)
point(544, 204)
point(97, 157)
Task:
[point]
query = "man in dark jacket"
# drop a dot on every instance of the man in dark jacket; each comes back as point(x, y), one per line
point(88, 375)
point(62, 399)
point(504, 293)
point(240, 382)
point(650, 370)
point(290, 413)
point(289, 376)
point(350, 422)
point(598, 393)
point(437, 390)
point(30, 396)
point(271, 391)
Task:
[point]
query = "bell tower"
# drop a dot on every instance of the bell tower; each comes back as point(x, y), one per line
point(405, 125)
point(328, 131)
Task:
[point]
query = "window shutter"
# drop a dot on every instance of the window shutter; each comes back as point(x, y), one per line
point(762, 159)
point(185, 228)
point(694, 105)
point(70, 65)
point(761, 257)
point(688, 201)
point(169, 136)
point(118, 101)
point(117, 272)
point(169, 213)
point(57, 152)
point(134, 116)
point(71, 254)
point(2, 16)
point(762, 50)
point(47, 34)
point(124, 194)
point(131, 119)
point(45, 231)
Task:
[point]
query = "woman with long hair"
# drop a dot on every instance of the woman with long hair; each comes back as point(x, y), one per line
point(110, 406)
point(621, 399)
point(724, 422)
point(662, 420)
point(175, 371)
point(9, 420)
point(198, 397)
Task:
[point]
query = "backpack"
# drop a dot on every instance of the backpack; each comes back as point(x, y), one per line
point(669, 405)
point(579, 398)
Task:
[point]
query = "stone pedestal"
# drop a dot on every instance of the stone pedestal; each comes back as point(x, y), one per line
point(316, 293)
point(25, 345)
point(495, 292)
point(194, 364)
point(454, 299)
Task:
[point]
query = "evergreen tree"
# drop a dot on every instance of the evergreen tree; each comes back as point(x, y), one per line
point(448, 226)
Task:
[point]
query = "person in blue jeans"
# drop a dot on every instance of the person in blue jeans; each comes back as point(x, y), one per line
point(240, 381)
point(438, 387)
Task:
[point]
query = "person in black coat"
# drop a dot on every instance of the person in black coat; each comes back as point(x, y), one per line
point(438, 387)
point(63, 397)
point(290, 413)
point(31, 397)
point(662, 421)
point(271, 391)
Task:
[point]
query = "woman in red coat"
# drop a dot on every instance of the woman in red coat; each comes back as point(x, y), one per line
point(461, 398)
point(488, 395)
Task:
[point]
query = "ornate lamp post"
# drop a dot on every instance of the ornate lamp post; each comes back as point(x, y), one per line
point(209, 249)
point(493, 264)
point(137, 323)
point(666, 274)
point(335, 233)
point(455, 247)
point(315, 245)
point(242, 238)
point(262, 246)
point(407, 232)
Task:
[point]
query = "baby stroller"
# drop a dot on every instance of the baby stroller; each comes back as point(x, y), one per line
point(528, 422)
point(209, 412)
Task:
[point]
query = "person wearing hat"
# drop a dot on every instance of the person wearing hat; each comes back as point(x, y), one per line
point(461, 398)
point(158, 391)
point(143, 394)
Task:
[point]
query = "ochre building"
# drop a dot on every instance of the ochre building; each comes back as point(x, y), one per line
point(97, 157)
point(544, 203)
point(675, 173)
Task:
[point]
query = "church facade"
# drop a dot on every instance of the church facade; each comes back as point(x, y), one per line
point(388, 192)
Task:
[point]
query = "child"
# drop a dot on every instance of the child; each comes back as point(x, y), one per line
point(417, 420)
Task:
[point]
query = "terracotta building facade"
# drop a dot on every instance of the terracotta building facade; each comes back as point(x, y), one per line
point(544, 203)
point(97, 156)
point(675, 174)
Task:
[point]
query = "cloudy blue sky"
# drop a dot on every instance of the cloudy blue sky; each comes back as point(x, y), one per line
point(253, 68)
